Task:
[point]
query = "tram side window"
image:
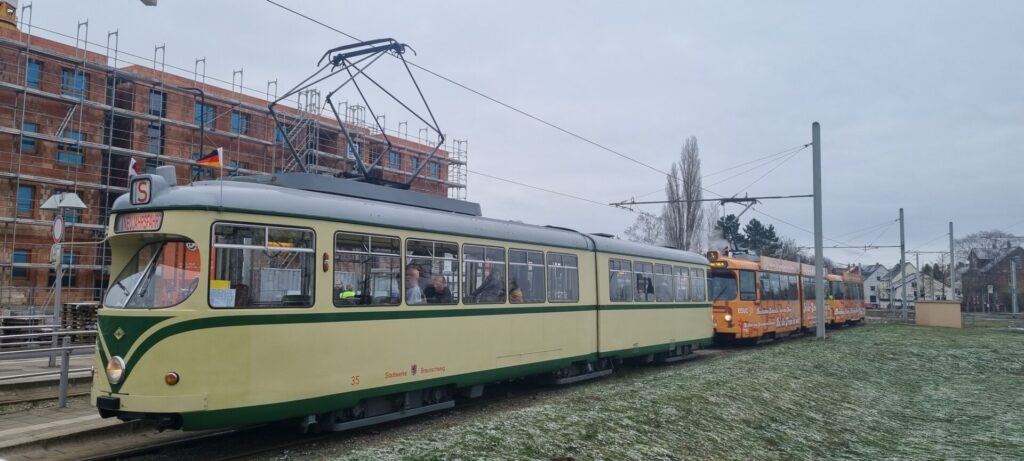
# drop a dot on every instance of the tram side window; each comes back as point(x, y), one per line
point(663, 289)
point(620, 280)
point(682, 276)
point(837, 290)
point(525, 276)
point(699, 291)
point(644, 281)
point(484, 274)
point(809, 288)
point(261, 266)
point(436, 265)
point(778, 286)
point(766, 286)
point(748, 287)
point(793, 288)
point(564, 278)
point(367, 270)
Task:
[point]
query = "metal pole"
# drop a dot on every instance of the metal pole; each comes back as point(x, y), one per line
point(1013, 284)
point(952, 265)
point(903, 269)
point(917, 276)
point(65, 365)
point(56, 299)
point(819, 267)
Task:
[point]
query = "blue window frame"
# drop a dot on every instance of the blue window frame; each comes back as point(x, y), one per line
point(25, 198)
point(239, 122)
point(394, 160)
point(73, 83)
point(71, 154)
point(72, 216)
point(28, 144)
point(157, 103)
point(205, 113)
point(155, 138)
point(435, 170)
point(69, 158)
point(278, 135)
point(34, 74)
point(20, 257)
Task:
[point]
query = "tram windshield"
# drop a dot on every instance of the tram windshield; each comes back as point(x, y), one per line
point(161, 274)
point(723, 286)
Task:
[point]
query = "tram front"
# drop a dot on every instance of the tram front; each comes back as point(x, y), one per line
point(157, 257)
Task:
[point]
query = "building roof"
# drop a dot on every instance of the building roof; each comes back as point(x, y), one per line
point(984, 253)
point(1000, 257)
point(872, 269)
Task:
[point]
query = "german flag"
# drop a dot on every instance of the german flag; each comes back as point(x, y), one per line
point(214, 159)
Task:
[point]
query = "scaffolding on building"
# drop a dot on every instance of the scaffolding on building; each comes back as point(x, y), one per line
point(73, 119)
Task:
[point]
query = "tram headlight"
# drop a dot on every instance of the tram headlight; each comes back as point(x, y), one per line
point(728, 317)
point(115, 369)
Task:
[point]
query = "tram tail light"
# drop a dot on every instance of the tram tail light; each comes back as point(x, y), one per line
point(171, 378)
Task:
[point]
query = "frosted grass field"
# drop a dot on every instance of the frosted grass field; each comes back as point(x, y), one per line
point(880, 391)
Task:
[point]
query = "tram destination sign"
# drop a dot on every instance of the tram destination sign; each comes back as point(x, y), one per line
point(139, 222)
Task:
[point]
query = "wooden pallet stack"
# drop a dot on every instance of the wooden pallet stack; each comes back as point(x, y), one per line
point(80, 317)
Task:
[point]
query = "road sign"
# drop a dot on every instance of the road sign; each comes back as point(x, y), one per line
point(58, 229)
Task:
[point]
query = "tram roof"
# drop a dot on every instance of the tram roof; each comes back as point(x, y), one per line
point(258, 198)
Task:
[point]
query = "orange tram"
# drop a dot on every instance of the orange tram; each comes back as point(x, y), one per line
point(757, 297)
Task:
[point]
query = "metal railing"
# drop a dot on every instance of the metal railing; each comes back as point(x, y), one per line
point(65, 350)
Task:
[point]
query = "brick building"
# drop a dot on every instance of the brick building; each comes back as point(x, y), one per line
point(71, 120)
point(986, 282)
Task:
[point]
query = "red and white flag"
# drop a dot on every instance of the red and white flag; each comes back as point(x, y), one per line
point(131, 168)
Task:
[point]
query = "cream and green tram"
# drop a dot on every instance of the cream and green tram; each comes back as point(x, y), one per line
point(343, 304)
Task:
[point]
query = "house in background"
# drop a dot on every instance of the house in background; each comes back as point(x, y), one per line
point(986, 281)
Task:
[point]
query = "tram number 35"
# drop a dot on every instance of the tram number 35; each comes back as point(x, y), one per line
point(355, 380)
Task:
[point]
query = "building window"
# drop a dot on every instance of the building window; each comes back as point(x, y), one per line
point(28, 144)
point(434, 170)
point(71, 154)
point(394, 160)
point(239, 122)
point(155, 138)
point(415, 164)
point(353, 151)
point(73, 83)
point(20, 257)
point(34, 74)
point(278, 135)
point(25, 198)
point(157, 103)
point(205, 113)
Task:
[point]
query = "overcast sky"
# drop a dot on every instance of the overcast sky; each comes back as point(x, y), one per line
point(921, 103)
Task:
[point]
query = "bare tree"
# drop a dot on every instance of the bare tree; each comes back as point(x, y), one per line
point(684, 214)
point(646, 229)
